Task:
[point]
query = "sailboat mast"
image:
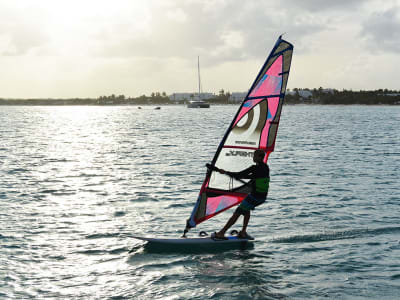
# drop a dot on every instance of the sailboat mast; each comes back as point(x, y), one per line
point(198, 72)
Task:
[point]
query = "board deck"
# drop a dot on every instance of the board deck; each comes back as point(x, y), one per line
point(193, 241)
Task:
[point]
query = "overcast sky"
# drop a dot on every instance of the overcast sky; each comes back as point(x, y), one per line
point(88, 48)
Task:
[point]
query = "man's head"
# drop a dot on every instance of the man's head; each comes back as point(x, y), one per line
point(258, 156)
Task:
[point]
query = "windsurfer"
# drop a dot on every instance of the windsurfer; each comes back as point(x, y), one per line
point(259, 175)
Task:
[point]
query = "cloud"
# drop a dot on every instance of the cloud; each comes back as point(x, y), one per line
point(319, 6)
point(177, 15)
point(133, 46)
point(381, 31)
point(19, 34)
point(222, 30)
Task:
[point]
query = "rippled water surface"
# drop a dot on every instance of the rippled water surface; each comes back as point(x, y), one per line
point(77, 183)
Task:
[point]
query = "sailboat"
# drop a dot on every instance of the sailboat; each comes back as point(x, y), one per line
point(254, 127)
point(199, 103)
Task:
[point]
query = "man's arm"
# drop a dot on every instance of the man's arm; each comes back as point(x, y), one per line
point(245, 174)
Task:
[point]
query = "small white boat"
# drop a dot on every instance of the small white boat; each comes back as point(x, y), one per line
point(198, 103)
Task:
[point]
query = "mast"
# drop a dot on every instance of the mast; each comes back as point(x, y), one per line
point(198, 73)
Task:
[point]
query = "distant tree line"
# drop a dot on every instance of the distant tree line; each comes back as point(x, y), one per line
point(154, 98)
point(294, 96)
point(332, 96)
point(221, 98)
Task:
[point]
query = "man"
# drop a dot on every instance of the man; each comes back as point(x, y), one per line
point(259, 175)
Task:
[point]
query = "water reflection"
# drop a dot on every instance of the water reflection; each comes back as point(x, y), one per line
point(78, 183)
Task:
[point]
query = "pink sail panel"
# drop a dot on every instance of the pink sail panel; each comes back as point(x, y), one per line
point(219, 204)
point(271, 82)
point(216, 204)
point(249, 104)
point(272, 108)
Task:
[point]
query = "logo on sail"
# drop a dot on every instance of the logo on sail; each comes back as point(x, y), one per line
point(245, 142)
point(240, 153)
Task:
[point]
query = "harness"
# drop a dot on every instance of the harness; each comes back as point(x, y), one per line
point(262, 185)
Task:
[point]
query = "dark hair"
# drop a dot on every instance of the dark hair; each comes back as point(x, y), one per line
point(259, 153)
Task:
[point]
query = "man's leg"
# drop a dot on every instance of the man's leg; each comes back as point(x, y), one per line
point(230, 222)
point(245, 223)
point(243, 234)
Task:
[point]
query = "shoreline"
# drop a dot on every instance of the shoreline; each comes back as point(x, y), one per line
point(41, 103)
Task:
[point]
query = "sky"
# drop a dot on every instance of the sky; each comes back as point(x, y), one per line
point(90, 48)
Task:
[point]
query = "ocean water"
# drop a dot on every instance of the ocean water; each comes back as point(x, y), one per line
point(77, 183)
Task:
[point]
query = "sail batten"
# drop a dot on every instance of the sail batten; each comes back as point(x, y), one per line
point(254, 127)
point(263, 97)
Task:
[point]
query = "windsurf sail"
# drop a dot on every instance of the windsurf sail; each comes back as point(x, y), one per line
point(254, 127)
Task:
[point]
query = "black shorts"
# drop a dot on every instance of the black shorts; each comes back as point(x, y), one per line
point(248, 203)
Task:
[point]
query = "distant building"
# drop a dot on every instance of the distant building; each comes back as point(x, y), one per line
point(237, 97)
point(303, 94)
point(390, 94)
point(328, 91)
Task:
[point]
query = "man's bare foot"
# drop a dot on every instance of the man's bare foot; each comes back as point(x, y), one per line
point(244, 235)
point(218, 236)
